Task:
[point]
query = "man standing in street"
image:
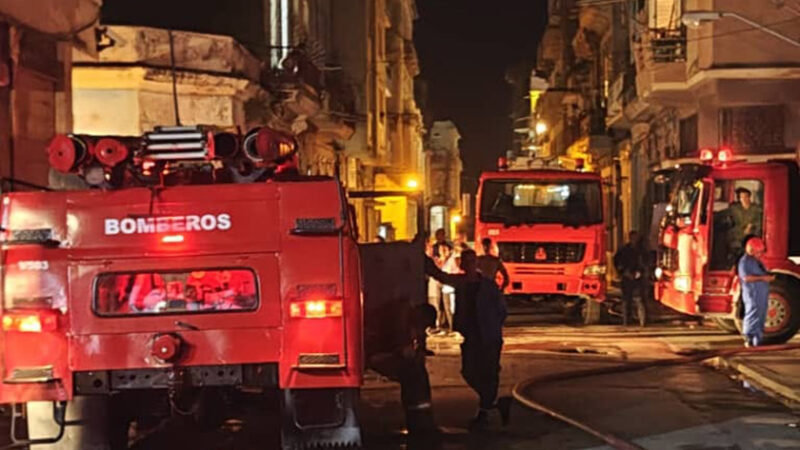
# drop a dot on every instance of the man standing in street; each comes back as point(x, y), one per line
point(479, 317)
point(629, 262)
point(490, 265)
point(755, 292)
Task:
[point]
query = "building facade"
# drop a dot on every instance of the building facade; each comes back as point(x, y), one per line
point(35, 92)
point(633, 88)
point(373, 45)
point(443, 177)
point(339, 76)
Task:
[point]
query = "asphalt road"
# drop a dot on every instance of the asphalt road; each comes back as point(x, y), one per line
point(687, 407)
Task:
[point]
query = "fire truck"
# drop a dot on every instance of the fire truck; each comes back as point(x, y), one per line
point(548, 227)
point(182, 274)
point(700, 239)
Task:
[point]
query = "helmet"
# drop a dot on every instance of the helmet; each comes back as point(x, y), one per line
point(754, 245)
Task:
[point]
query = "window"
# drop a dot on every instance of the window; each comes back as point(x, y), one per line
point(738, 214)
point(686, 197)
point(688, 136)
point(664, 14)
point(754, 129)
point(280, 20)
point(529, 201)
point(175, 292)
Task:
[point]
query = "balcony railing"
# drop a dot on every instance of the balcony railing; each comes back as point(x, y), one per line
point(668, 45)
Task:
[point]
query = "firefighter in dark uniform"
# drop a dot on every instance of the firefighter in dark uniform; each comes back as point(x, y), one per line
point(399, 354)
point(629, 262)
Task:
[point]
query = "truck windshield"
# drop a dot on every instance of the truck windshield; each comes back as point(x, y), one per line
point(175, 292)
point(513, 202)
point(685, 197)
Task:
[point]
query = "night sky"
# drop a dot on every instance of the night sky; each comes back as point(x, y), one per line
point(465, 48)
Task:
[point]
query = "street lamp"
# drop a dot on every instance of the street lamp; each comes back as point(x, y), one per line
point(412, 183)
point(541, 128)
point(694, 19)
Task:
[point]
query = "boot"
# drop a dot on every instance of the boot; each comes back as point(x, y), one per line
point(504, 406)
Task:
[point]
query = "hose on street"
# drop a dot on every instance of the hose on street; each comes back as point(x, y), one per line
point(520, 389)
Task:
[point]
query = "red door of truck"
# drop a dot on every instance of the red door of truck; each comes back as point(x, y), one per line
point(685, 241)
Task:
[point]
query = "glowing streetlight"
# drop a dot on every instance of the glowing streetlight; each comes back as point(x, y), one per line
point(412, 183)
point(456, 219)
point(694, 19)
point(541, 127)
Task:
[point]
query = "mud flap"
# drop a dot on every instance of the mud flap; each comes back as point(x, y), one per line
point(320, 418)
point(87, 419)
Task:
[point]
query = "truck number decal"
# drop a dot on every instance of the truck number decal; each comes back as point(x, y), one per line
point(33, 265)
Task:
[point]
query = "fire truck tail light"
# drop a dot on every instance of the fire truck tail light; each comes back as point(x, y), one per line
point(30, 322)
point(725, 155)
point(315, 309)
point(706, 155)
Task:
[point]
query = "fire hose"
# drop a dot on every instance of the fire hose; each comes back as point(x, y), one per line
point(612, 440)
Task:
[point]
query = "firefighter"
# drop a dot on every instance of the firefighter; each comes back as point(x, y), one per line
point(755, 280)
point(490, 266)
point(629, 262)
point(479, 317)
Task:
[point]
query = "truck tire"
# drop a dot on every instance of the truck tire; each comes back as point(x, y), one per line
point(89, 425)
point(783, 315)
point(726, 325)
point(592, 312)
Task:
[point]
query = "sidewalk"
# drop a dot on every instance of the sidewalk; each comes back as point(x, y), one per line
point(777, 372)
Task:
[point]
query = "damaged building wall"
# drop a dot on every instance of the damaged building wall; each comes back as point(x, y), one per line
point(216, 77)
point(35, 82)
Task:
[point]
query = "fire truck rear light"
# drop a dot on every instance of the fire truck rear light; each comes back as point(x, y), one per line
point(706, 155)
point(172, 239)
point(30, 322)
point(725, 155)
point(315, 309)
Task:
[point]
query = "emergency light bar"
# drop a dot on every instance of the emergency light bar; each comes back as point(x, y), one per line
point(178, 143)
point(721, 156)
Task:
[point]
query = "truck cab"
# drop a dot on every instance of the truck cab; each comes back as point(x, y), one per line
point(715, 206)
point(548, 226)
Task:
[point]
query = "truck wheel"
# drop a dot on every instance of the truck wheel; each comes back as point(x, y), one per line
point(89, 425)
point(783, 313)
point(726, 325)
point(592, 312)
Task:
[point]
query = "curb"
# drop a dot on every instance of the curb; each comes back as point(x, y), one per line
point(761, 378)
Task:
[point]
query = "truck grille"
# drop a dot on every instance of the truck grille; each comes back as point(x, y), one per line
point(668, 258)
point(542, 252)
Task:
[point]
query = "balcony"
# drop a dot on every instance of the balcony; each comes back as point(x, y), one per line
point(660, 58)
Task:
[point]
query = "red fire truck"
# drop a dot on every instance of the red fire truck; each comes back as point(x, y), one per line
point(191, 266)
point(548, 226)
point(700, 239)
